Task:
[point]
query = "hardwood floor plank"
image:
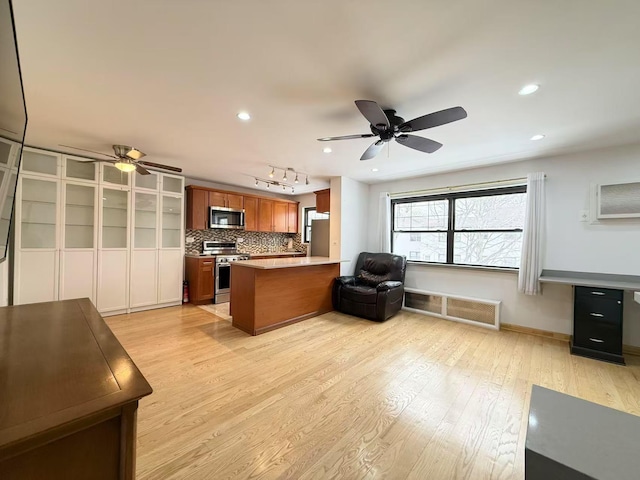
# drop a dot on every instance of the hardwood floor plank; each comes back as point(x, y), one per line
point(345, 398)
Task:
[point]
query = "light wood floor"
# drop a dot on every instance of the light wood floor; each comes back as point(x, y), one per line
point(339, 397)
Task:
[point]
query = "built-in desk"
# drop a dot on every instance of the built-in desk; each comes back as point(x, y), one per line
point(571, 439)
point(597, 311)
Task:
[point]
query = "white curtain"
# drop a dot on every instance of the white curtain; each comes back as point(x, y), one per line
point(384, 223)
point(533, 236)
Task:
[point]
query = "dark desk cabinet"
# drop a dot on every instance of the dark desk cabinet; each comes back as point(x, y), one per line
point(597, 323)
point(68, 395)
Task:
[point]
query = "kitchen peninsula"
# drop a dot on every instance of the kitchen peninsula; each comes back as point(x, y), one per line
point(272, 293)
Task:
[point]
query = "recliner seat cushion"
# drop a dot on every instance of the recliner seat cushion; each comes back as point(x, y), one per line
point(371, 279)
point(359, 293)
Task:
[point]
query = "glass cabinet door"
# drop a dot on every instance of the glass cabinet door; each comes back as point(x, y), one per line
point(114, 218)
point(171, 221)
point(172, 184)
point(80, 169)
point(111, 174)
point(40, 162)
point(148, 182)
point(146, 218)
point(79, 216)
point(39, 206)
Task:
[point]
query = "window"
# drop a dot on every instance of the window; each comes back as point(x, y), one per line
point(482, 228)
point(311, 214)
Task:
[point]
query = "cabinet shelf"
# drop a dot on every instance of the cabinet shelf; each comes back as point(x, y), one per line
point(25, 200)
point(85, 205)
point(115, 208)
point(26, 222)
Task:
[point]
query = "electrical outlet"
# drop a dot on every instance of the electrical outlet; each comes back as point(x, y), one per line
point(584, 215)
point(240, 240)
point(190, 239)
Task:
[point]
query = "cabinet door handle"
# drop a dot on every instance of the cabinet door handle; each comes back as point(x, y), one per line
point(597, 340)
point(598, 293)
point(206, 263)
point(596, 315)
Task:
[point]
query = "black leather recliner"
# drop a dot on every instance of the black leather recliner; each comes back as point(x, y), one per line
point(376, 289)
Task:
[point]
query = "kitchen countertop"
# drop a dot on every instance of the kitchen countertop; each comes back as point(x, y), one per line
point(270, 263)
point(197, 255)
point(275, 254)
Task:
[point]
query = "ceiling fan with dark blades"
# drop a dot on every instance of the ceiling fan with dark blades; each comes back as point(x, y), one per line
point(128, 159)
point(388, 126)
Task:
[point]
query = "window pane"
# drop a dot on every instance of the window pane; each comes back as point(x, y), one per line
point(491, 212)
point(431, 215)
point(425, 247)
point(497, 249)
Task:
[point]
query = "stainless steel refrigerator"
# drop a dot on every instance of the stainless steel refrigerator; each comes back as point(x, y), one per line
point(319, 245)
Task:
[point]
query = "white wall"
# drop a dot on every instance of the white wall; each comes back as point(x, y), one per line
point(607, 246)
point(354, 202)
point(335, 210)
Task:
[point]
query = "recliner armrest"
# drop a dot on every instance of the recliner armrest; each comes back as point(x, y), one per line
point(388, 285)
point(346, 280)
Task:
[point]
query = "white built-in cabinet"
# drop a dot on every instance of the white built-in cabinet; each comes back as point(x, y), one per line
point(86, 229)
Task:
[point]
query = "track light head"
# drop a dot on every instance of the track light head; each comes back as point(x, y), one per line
point(273, 172)
point(307, 180)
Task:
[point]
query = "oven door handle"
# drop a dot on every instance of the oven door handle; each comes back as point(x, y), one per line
point(223, 264)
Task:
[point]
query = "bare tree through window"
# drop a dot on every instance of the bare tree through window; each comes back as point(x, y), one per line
point(481, 228)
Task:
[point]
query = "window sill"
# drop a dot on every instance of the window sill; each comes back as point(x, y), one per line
point(463, 267)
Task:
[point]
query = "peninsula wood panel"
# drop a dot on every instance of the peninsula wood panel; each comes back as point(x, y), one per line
point(264, 299)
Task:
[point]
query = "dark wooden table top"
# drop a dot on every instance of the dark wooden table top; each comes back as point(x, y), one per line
point(60, 363)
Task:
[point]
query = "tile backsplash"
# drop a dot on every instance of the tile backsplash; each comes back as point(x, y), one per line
point(252, 242)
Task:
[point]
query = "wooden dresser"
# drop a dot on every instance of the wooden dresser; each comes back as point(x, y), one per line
point(68, 395)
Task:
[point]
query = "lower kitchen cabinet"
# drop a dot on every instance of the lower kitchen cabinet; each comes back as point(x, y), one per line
point(200, 273)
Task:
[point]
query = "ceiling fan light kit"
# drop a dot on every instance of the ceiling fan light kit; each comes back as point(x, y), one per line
point(386, 125)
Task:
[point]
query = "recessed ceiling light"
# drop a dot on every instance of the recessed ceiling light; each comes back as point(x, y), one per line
point(537, 137)
point(244, 116)
point(374, 169)
point(529, 89)
point(327, 150)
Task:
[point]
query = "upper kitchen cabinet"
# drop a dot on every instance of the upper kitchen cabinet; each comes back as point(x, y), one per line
point(197, 208)
point(79, 169)
point(323, 200)
point(251, 214)
point(265, 215)
point(226, 200)
point(280, 217)
point(292, 220)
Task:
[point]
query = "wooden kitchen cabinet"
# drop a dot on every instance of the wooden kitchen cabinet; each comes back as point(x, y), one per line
point(265, 215)
point(280, 217)
point(261, 214)
point(200, 275)
point(292, 220)
point(251, 214)
point(197, 209)
point(323, 200)
point(226, 200)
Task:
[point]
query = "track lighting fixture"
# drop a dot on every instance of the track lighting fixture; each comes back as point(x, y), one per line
point(287, 173)
point(275, 183)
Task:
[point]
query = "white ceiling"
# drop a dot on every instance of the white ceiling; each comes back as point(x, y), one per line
point(169, 77)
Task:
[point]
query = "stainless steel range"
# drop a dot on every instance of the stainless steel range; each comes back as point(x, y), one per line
point(225, 253)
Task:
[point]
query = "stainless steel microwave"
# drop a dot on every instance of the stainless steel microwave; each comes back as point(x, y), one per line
point(221, 217)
